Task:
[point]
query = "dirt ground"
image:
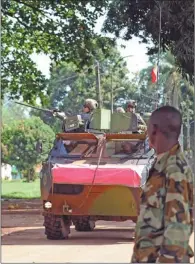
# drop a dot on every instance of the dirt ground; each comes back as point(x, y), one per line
point(23, 239)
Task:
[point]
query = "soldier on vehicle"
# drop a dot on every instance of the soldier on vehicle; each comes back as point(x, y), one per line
point(89, 106)
point(130, 147)
point(131, 107)
point(165, 221)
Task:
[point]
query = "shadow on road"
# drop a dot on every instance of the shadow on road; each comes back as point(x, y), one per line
point(24, 226)
point(36, 236)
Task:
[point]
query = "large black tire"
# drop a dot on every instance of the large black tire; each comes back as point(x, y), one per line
point(84, 224)
point(56, 227)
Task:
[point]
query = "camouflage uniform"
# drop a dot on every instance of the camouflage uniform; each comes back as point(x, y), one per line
point(140, 122)
point(165, 221)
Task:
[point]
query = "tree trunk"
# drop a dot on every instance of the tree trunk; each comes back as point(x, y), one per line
point(28, 175)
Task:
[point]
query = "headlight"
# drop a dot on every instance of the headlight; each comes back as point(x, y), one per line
point(48, 205)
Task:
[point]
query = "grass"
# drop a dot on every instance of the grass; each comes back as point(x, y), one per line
point(19, 189)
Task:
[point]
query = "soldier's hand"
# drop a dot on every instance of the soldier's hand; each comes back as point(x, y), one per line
point(55, 111)
point(142, 127)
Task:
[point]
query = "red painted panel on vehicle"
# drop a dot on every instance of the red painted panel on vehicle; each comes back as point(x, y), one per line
point(100, 176)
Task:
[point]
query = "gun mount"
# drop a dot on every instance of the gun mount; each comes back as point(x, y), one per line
point(101, 120)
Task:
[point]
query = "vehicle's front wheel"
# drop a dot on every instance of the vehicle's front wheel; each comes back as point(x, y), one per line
point(56, 227)
point(84, 224)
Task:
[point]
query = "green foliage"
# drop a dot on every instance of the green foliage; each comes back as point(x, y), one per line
point(61, 29)
point(172, 88)
point(141, 18)
point(69, 88)
point(12, 112)
point(64, 30)
point(20, 140)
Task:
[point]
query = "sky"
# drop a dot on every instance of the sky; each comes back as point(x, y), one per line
point(135, 63)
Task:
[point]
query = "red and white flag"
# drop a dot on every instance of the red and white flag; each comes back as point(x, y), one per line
point(154, 74)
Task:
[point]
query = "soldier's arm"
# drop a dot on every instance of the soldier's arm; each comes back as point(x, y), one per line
point(140, 120)
point(142, 127)
point(141, 123)
point(178, 218)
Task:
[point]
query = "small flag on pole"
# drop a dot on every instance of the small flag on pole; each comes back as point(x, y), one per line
point(154, 74)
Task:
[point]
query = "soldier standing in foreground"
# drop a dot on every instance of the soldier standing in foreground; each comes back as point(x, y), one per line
point(165, 222)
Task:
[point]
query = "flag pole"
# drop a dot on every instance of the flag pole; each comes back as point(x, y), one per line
point(159, 51)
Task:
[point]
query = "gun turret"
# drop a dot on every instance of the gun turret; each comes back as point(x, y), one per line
point(38, 108)
point(70, 123)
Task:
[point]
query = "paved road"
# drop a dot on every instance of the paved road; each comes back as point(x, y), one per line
point(24, 242)
point(108, 243)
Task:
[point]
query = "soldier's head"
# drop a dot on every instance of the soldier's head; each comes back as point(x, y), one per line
point(89, 105)
point(120, 110)
point(131, 106)
point(164, 128)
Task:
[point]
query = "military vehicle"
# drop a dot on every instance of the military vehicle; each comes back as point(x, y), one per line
point(95, 174)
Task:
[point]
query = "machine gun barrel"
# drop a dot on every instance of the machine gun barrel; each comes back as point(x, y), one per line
point(37, 108)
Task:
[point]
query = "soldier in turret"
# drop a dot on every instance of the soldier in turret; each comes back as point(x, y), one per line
point(130, 147)
point(89, 106)
point(131, 107)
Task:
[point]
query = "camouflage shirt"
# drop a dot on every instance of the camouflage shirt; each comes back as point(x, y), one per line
point(165, 221)
point(86, 117)
point(141, 123)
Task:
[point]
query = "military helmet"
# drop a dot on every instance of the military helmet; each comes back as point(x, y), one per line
point(132, 103)
point(120, 110)
point(91, 104)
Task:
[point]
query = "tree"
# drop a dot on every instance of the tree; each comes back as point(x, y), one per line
point(58, 28)
point(12, 112)
point(64, 31)
point(173, 89)
point(171, 86)
point(69, 88)
point(141, 18)
point(20, 140)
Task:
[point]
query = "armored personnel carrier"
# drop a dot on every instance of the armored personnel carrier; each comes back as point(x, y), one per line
point(94, 175)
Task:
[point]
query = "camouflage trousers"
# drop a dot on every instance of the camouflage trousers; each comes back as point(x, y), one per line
point(186, 259)
point(150, 255)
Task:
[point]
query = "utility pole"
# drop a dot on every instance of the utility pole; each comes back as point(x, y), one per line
point(194, 129)
point(111, 77)
point(188, 130)
point(98, 87)
point(112, 101)
point(159, 53)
